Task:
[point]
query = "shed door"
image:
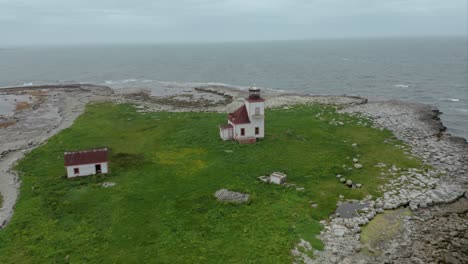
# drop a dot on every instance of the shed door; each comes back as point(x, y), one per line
point(98, 168)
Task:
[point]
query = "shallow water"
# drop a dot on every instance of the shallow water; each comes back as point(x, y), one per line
point(348, 209)
point(427, 70)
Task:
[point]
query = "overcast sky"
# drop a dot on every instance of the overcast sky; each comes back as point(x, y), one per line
point(24, 22)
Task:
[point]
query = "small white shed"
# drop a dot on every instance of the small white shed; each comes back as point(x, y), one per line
point(88, 162)
point(278, 178)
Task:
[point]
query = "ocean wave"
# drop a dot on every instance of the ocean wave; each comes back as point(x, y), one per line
point(401, 86)
point(28, 84)
point(124, 81)
point(454, 100)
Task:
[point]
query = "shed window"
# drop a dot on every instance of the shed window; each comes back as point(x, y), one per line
point(257, 110)
point(257, 131)
point(76, 170)
point(242, 131)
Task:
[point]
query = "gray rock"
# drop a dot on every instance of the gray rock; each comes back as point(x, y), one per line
point(108, 184)
point(225, 195)
point(343, 180)
point(339, 232)
point(349, 182)
point(358, 166)
point(449, 259)
point(264, 178)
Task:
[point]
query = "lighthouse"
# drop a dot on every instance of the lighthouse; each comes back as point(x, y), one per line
point(247, 123)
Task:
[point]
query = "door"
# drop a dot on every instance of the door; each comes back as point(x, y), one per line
point(98, 168)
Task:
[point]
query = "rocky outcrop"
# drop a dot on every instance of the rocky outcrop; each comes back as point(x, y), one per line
point(225, 195)
point(420, 127)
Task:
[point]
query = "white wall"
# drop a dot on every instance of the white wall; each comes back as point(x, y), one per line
point(248, 131)
point(276, 180)
point(256, 122)
point(224, 133)
point(252, 105)
point(86, 169)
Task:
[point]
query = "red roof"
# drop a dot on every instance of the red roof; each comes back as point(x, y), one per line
point(86, 157)
point(240, 116)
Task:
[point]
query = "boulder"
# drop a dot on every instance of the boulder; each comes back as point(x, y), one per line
point(358, 166)
point(108, 184)
point(225, 195)
point(349, 182)
point(358, 185)
point(343, 180)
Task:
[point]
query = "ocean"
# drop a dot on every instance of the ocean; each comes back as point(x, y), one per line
point(426, 70)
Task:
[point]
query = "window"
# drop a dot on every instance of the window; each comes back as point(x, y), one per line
point(257, 110)
point(257, 131)
point(76, 170)
point(242, 131)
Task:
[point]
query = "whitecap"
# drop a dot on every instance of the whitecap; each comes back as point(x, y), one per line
point(454, 100)
point(401, 85)
point(28, 84)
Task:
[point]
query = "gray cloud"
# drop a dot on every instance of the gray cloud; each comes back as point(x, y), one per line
point(117, 21)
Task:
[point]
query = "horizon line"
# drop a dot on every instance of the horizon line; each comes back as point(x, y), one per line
point(246, 41)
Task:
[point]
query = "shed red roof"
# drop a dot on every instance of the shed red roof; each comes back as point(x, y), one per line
point(240, 116)
point(86, 157)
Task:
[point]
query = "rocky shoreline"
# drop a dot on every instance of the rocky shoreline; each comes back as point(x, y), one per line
point(418, 126)
point(429, 194)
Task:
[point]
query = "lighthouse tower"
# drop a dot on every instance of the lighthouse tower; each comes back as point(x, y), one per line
point(256, 110)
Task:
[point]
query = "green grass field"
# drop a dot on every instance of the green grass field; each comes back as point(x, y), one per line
point(167, 167)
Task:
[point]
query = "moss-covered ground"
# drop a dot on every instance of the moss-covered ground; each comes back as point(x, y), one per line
point(382, 229)
point(167, 167)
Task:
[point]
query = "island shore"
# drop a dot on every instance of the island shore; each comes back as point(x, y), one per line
point(438, 197)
